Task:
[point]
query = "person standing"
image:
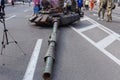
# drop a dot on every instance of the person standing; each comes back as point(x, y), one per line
point(12, 3)
point(23, 2)
point(79, 5)
point(69, 4)
point(36, 6)
point(91, 5)
point(73, 5)
point(101, 9)
point(29, 2)
point(109, 10)
point(87, 4)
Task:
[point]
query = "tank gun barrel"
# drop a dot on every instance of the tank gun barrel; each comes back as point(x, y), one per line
point(49, 56)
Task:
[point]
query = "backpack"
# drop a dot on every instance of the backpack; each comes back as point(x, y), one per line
point(104, 5)
point(113, 5)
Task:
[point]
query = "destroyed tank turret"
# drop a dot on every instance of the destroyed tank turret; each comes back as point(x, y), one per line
point(47, 17)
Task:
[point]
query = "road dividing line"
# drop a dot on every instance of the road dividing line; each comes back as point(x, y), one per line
point(33, 61)
point(10, 17)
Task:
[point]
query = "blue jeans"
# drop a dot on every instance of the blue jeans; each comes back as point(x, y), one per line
point(36, 10)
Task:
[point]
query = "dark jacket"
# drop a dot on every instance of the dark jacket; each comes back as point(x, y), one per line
point(2, 3)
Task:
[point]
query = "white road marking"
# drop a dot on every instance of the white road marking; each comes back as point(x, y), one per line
point(92, 21)
point(84, 18)
point(87, 28)
point(33, 61)
point(101, 45)
point(95, 14)
point(106, 41)
point(11, 17)
point(103, 27)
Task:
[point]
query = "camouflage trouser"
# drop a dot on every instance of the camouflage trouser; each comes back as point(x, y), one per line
point(109, 15)
point(103, 12)
point(61, 3)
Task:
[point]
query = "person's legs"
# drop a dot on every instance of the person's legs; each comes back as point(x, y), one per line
point(68, 8)
point(0, 8)
point(79, 10)
point(87, 7)
point(3, 9)
point(99, 11)
point(91, 6)
point(111, 15)
point(103, 13)
point(108, 15)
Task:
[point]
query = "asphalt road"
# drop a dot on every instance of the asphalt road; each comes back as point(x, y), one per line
point(86, 50)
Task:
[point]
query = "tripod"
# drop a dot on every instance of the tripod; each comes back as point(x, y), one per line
point(5, 40)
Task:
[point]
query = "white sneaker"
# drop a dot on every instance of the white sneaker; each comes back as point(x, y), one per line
point(98, 18)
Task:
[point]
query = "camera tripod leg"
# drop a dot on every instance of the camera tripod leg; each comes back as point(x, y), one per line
point(14, 41)
point(20, 49)
point(5, 38)
point(3, 43)
point(5, 33)
point(3, 46)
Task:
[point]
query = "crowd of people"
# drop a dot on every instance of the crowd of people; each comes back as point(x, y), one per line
point(44, 4)
point(47, 4)
point(105, 6)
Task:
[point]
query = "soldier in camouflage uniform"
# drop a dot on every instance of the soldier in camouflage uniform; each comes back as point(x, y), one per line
point(101, 9)
point(109, 10)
